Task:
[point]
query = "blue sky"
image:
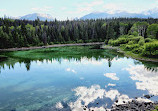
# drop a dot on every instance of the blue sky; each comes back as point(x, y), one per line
point(63, 9)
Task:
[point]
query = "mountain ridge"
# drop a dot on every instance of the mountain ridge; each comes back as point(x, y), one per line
point(116, 15)
point(34, 16)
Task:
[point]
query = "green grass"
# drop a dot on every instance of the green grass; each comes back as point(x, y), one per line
point(137, 46)
point(156, 108)
point(69, 52)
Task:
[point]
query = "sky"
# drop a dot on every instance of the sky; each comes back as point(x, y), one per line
point(63, 9)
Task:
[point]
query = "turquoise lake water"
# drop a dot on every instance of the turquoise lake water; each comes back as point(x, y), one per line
point(70, 78)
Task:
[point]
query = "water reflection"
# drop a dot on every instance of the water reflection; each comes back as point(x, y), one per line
point(98, 99)
point(110, 56)
point(73, 79)
point(59, 54)
point(147, 80)
point(111, 76)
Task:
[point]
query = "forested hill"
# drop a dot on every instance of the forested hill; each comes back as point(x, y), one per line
point(23, 33)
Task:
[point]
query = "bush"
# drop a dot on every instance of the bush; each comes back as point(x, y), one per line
point(131, 36)
point(106, 41)
point(51, 43)
point(118, 42)
point(135, 39)
point(131, 47)
point(148, 40)
point(141, 42)
point(110, 42)
point(130, 42)
point(138, 50)
point(41, 44)
point(151, 49)
point(123, 36)
point(135, 33)
point(80, 41)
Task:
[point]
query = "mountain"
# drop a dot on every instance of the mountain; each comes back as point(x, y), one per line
point(152, 12)
point(115, 15)
point(34, 16)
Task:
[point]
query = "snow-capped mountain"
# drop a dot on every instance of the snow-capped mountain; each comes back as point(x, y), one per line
point(152, 12)
point(34, 16)
point(116, 14)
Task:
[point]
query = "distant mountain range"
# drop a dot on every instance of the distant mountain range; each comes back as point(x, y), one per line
point(34, 16)
point(153, 13)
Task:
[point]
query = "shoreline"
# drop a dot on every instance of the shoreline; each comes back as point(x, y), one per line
point(82, 44)
point(131, 56)
point(50, 46)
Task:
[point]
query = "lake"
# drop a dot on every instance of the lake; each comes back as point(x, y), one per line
point(72, 78)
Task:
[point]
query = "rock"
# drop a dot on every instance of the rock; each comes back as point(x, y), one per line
point(147, 96)
point(134, 105)
point(84, 108)
point(136, 97)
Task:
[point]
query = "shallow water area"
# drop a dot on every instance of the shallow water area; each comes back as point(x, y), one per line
point(73, 78)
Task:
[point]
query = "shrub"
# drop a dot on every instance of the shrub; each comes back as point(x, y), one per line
point(51, 43)
point(138, 50)
point(80, 41)
point(106, 41)
point(141, 42)
point(121, 41)
point(148, 40)
point(110, 42)
point(130, 42)
point(131, 47)
point(131, 36)
point(41, 44)
point(135, 39)
point(123, 36)
point(135, 33)
point(151, 49)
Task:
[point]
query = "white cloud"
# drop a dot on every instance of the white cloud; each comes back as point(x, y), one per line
point(86, 95)
point(86, 61)
point(93, 62)
point(143, 100)
point(68, 69)
point(147, 80)
point(123, 99)
point(43, 9)
point(112, 94)
point(86, 7)
point(2, 10)
point(111, 84)
point(59, 105)
point(71, 70)
point(113, 7)
point(82, 78)
point(90, 95)
point(63, 8)
point(111, 76)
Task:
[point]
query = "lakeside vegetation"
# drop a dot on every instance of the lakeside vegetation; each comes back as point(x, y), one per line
point(70, 53)
point(138, 37)
point(156, 108)
point(141, 40)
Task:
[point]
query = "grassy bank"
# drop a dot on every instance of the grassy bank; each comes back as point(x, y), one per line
point(136, 47)
point(156, 108)
point(130, 54)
